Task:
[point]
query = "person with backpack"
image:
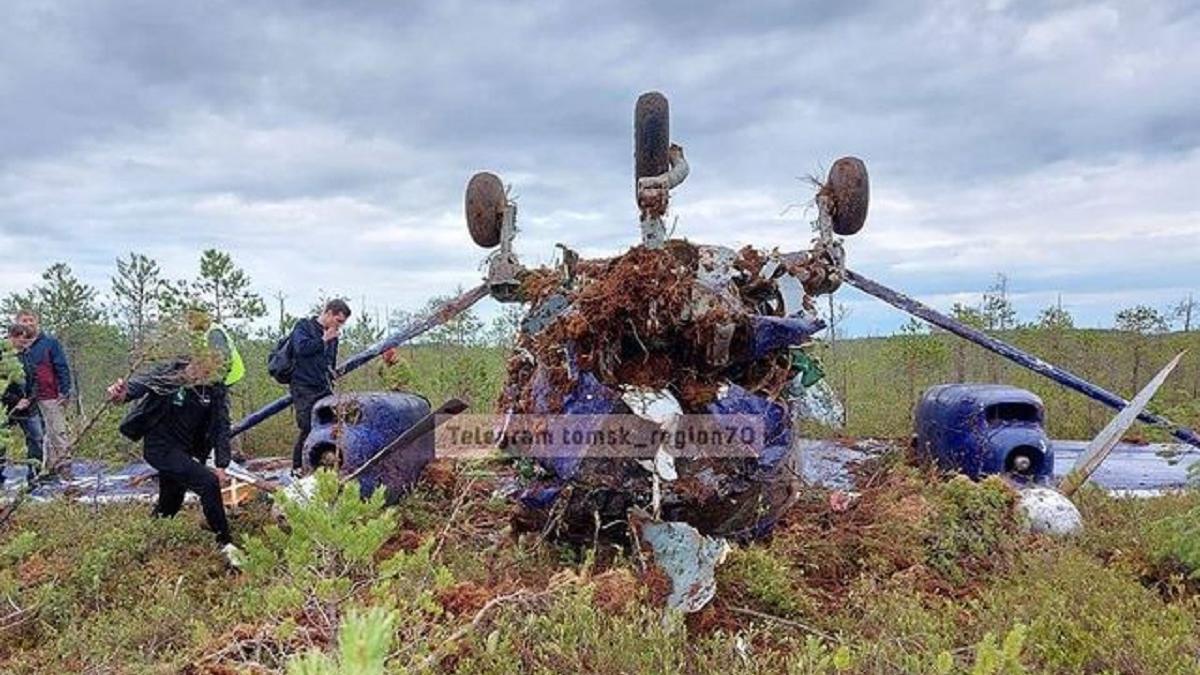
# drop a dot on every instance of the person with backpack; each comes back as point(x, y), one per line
point(306, 360)
point(180, 416)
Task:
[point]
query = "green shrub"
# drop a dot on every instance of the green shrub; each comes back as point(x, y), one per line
point(364, 641)
point(767, 580)
point(974, 525)
point(1175, 542)
point(330, 542)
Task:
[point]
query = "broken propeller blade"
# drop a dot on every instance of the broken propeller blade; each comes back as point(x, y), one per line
point(1106, 440)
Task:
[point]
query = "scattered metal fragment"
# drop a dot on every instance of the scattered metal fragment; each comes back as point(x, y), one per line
point(689, 558)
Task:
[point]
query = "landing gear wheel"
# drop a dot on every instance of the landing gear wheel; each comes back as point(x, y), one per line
point(651, 135)
point(850, 191)
point(485, 204)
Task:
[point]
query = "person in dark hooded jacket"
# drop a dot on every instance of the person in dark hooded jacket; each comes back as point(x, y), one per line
point(314, 345)
point(181, 417)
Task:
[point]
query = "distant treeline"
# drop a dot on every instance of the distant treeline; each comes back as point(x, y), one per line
point(877, 378)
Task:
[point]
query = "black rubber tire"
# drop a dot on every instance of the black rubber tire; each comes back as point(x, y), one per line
point(651, 135)
point(485, 204)
point(850, 190)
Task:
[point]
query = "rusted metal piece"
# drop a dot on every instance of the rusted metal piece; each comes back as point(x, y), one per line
point(845, 195)
point(654, 191)
point(820, 270)
point(485, 205)
point(654, 195)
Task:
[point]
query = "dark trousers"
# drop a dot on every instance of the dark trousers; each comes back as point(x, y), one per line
point(31, 426)
point(303, 400)
point(179, 472)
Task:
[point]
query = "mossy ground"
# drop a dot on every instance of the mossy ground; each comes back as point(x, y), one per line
point(920, 574)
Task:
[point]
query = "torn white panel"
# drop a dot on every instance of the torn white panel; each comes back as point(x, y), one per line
point(690, 559)
point(664, 465)
point(662, 408)
point(656, 405)
point(300, 491)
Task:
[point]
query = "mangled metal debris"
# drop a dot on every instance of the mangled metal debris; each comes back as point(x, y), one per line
point(667, 331)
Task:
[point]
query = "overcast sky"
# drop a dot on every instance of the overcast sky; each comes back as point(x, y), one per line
point(326, 144)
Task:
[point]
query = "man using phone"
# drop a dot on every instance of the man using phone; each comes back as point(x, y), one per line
point(314, 346)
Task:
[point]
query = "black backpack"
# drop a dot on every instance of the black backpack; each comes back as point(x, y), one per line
point(280, 363)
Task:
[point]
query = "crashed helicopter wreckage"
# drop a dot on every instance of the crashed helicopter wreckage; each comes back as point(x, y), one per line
point(672, 337)
point(671, 331)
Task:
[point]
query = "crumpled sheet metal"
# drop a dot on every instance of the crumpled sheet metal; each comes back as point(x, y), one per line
point(818, 402)
point(689, 559)
point(777, 430)
point(773, 333)
point(707, 328)
point(737, 497)
point(95, 482)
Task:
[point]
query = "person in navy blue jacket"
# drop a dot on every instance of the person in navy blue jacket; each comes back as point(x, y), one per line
point(314, 345)
point(48, 379)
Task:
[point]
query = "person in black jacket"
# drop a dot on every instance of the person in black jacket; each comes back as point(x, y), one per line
point(314, 346)
point(180, 416)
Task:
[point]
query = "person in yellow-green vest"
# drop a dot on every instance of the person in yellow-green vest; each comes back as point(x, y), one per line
point(215, 339)
point(212, 342)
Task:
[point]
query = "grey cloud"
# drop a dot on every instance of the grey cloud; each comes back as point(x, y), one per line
point(159, 127)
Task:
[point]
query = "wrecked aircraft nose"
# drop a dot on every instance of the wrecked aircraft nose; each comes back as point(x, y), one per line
point(348, 429)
